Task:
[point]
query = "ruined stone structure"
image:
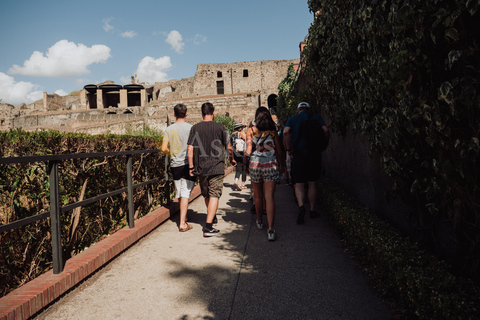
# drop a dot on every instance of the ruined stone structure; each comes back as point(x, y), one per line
point(237, 88)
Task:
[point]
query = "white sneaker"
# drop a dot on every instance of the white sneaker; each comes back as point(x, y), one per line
point(259, 225)
point(271, 236)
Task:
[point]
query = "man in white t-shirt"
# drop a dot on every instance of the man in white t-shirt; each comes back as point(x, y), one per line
point(175, 145)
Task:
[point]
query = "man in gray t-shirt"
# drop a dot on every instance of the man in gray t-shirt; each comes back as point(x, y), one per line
point(175, 145)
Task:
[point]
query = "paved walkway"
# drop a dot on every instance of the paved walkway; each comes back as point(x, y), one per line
point(304, 274)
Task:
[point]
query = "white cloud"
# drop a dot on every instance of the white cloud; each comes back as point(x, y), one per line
point(80, 82)
point(61, 92)
point(126, 80)
point(16, 93)
point(199, 39)
point(128, 34)
point(153, 70)
point(64, 59)
point(106, 24)
point(174, 39)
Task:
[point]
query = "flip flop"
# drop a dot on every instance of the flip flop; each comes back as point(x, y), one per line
point(189, 227)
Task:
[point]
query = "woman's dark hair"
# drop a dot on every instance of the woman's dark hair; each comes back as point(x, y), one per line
point(263, 120)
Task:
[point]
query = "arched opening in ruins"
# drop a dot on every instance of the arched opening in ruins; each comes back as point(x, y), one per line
point(91, 96)
point(111, 95)
point(134, 96)
point(272, 103)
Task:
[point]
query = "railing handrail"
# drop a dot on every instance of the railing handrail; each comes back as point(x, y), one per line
point(59, 157)
point(56, 209)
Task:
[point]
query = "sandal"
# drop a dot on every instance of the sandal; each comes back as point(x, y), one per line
point(189, 227)
point(238, 187)
point(243, 187)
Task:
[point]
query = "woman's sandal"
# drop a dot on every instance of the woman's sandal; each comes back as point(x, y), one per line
point(189, 227)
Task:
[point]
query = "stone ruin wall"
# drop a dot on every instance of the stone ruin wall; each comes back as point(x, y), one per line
point(242, 95)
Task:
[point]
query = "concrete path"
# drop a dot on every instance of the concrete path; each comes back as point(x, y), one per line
point(304, 274)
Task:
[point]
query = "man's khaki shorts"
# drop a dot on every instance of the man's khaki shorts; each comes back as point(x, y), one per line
point(211, 186)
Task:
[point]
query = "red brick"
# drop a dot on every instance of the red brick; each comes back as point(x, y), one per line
point(4, 316)
point(34, 300)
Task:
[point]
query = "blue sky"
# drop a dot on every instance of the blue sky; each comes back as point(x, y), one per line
point(58, 46)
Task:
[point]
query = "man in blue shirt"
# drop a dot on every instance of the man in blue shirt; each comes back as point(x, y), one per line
point(305, 166)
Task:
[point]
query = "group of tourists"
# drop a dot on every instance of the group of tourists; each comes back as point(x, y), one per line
point(261, 152)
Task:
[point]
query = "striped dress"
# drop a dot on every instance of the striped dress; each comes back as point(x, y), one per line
point(263, 162)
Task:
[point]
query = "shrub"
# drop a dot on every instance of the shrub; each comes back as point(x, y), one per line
point(24, 191)
point(418, 284)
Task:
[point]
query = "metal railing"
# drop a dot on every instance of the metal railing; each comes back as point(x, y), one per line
point(56, 209)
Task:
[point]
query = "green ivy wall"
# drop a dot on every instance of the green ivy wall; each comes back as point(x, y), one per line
point(400, 80)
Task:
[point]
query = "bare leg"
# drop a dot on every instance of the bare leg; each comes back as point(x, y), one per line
point(312, 194)
point(258, 199)
point(269, 194)
point(212, 206)
point(300, 193)
point(183, 212)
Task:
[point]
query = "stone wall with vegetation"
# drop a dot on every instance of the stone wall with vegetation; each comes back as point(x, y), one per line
point(404, 76)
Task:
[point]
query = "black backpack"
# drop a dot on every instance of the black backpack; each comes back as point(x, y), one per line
point(315, 138)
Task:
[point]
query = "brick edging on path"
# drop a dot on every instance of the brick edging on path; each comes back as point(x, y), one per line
point(38, 293)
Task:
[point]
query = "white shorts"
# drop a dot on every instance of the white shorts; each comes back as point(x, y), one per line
point(183, 188)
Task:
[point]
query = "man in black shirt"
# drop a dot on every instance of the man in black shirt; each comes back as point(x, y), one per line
point(207, 143)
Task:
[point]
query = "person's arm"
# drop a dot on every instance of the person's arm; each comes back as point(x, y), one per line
point(248, 149)
point(249, 142)
point(287, 139)
point(327, 132)
point(190, 159)
point(279, 153)
point(164, 148)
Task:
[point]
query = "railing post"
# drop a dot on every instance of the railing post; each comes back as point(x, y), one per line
point(55, 219)
point(131, 210)
point(149, 195)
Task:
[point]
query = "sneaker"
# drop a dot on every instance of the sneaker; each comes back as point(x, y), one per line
point(210, 232)
point(271, 236)
point(301, 215)
point(314, 214)
point(215, 220)
point(259, 225)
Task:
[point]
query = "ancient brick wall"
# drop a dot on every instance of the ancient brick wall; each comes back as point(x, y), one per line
point(240, 77)
point(246, 86)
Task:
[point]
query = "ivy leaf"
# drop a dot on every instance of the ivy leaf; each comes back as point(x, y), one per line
point(452, 33)
point(474, 144)
point(445, 89)
point(453, 56)
point(472, 6)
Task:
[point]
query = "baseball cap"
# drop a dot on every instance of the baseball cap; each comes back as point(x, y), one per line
point(303, 105)
point(238, 125)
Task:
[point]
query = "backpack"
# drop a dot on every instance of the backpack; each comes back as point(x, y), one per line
point(238, 143)
point(315, 138)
